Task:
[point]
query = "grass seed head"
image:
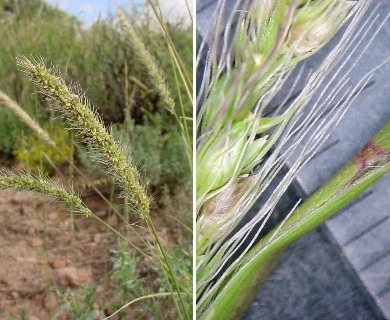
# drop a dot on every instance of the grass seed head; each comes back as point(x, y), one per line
point(43, 185)
point(77, 110)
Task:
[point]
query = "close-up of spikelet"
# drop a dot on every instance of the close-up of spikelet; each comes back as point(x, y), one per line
point(255, 114)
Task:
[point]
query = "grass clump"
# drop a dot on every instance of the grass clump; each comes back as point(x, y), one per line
point(82, 306)
point(136, 279)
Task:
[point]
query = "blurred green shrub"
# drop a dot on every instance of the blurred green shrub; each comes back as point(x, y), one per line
point(10, 129)
point(174, 165)
point(158, 146)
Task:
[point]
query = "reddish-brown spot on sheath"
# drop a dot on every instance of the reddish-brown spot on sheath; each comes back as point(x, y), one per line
point(369, 155)
point(366, 158)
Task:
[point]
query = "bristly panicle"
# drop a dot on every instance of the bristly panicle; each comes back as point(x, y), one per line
point(78, 111)
point(43, 185)
point(154, 72)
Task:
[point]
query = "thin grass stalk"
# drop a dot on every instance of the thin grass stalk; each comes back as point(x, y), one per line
point(183, 122)
point(158, 80)
point(149, 296)
point(71, 180)
point(171, 274)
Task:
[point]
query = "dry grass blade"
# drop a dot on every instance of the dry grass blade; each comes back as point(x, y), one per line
point(12, 105)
